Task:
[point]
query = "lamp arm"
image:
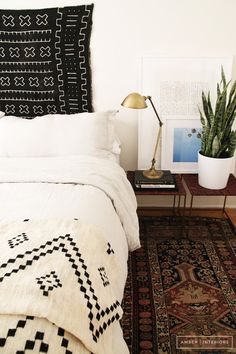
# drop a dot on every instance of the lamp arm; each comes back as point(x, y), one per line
point(154, 108)
point(158, 134)
point(156, 146)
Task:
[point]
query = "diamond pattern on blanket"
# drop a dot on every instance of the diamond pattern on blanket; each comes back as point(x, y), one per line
point(67, 249)
point(11, 332)
point(110, 249)
point(26, 334)
point(49, 282)
point(17, 240)
point(103, 276)
point(44, 61)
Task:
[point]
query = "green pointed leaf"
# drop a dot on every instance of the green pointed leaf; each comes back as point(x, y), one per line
point(232, 143)
point(215, 146)
point(205, 105)
point(223, 76)
point(218, 90)
point(232, 93)
point(209, 104)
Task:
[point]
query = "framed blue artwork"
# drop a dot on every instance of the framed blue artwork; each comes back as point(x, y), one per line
point(180, 145)
point(187, 143)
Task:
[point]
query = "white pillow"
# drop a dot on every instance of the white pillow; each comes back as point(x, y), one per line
point(114, 141)
point(56, 135)
point(2, 114)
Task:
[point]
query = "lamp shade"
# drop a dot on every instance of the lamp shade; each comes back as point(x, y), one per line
point(135, 100)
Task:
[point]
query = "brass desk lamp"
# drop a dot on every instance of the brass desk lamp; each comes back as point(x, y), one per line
point(137, 101)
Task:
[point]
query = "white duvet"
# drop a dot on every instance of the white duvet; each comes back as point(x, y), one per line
point(104, 174)
point(94, 190)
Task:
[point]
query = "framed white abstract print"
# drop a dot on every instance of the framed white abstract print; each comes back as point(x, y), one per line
point(175, 85)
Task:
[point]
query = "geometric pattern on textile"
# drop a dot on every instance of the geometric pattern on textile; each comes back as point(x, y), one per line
point(17, 240)
point(48, 282)
point(181, 282)
point(29, 344)
point(41, 336)
point(44, 61)
point(110, 249)
point(103, 276)
point(67, 246)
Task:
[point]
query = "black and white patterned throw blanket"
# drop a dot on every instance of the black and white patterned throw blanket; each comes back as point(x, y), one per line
point(63, 271)
point(44, 61)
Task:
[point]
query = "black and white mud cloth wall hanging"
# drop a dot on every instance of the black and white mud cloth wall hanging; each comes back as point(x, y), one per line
point(44, 61)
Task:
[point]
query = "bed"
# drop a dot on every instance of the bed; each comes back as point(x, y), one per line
point(68, 221)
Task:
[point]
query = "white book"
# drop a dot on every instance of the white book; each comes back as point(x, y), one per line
point(155, 186)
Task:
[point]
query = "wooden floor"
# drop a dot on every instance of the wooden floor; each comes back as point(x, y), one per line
point(218, 213)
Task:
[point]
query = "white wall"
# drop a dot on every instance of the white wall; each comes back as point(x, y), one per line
point(124, 30)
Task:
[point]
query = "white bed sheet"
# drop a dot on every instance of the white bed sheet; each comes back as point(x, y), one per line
point(101, 173)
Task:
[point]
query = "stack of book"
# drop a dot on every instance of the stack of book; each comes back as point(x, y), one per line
point(166, 181)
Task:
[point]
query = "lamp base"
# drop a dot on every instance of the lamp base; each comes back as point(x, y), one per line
point(153, 173)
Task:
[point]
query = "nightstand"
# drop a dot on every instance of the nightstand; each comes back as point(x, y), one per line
point(196, 190)
point(178, 195)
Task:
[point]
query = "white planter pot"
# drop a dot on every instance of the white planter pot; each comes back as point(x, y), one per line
point(213, 173)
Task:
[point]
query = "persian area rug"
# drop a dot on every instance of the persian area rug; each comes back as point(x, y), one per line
point(180, 292)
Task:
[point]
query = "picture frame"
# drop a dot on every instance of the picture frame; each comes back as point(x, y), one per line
point(175, 85)
point(181, 141)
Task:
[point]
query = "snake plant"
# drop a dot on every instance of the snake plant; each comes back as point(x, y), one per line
point(218, 140)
